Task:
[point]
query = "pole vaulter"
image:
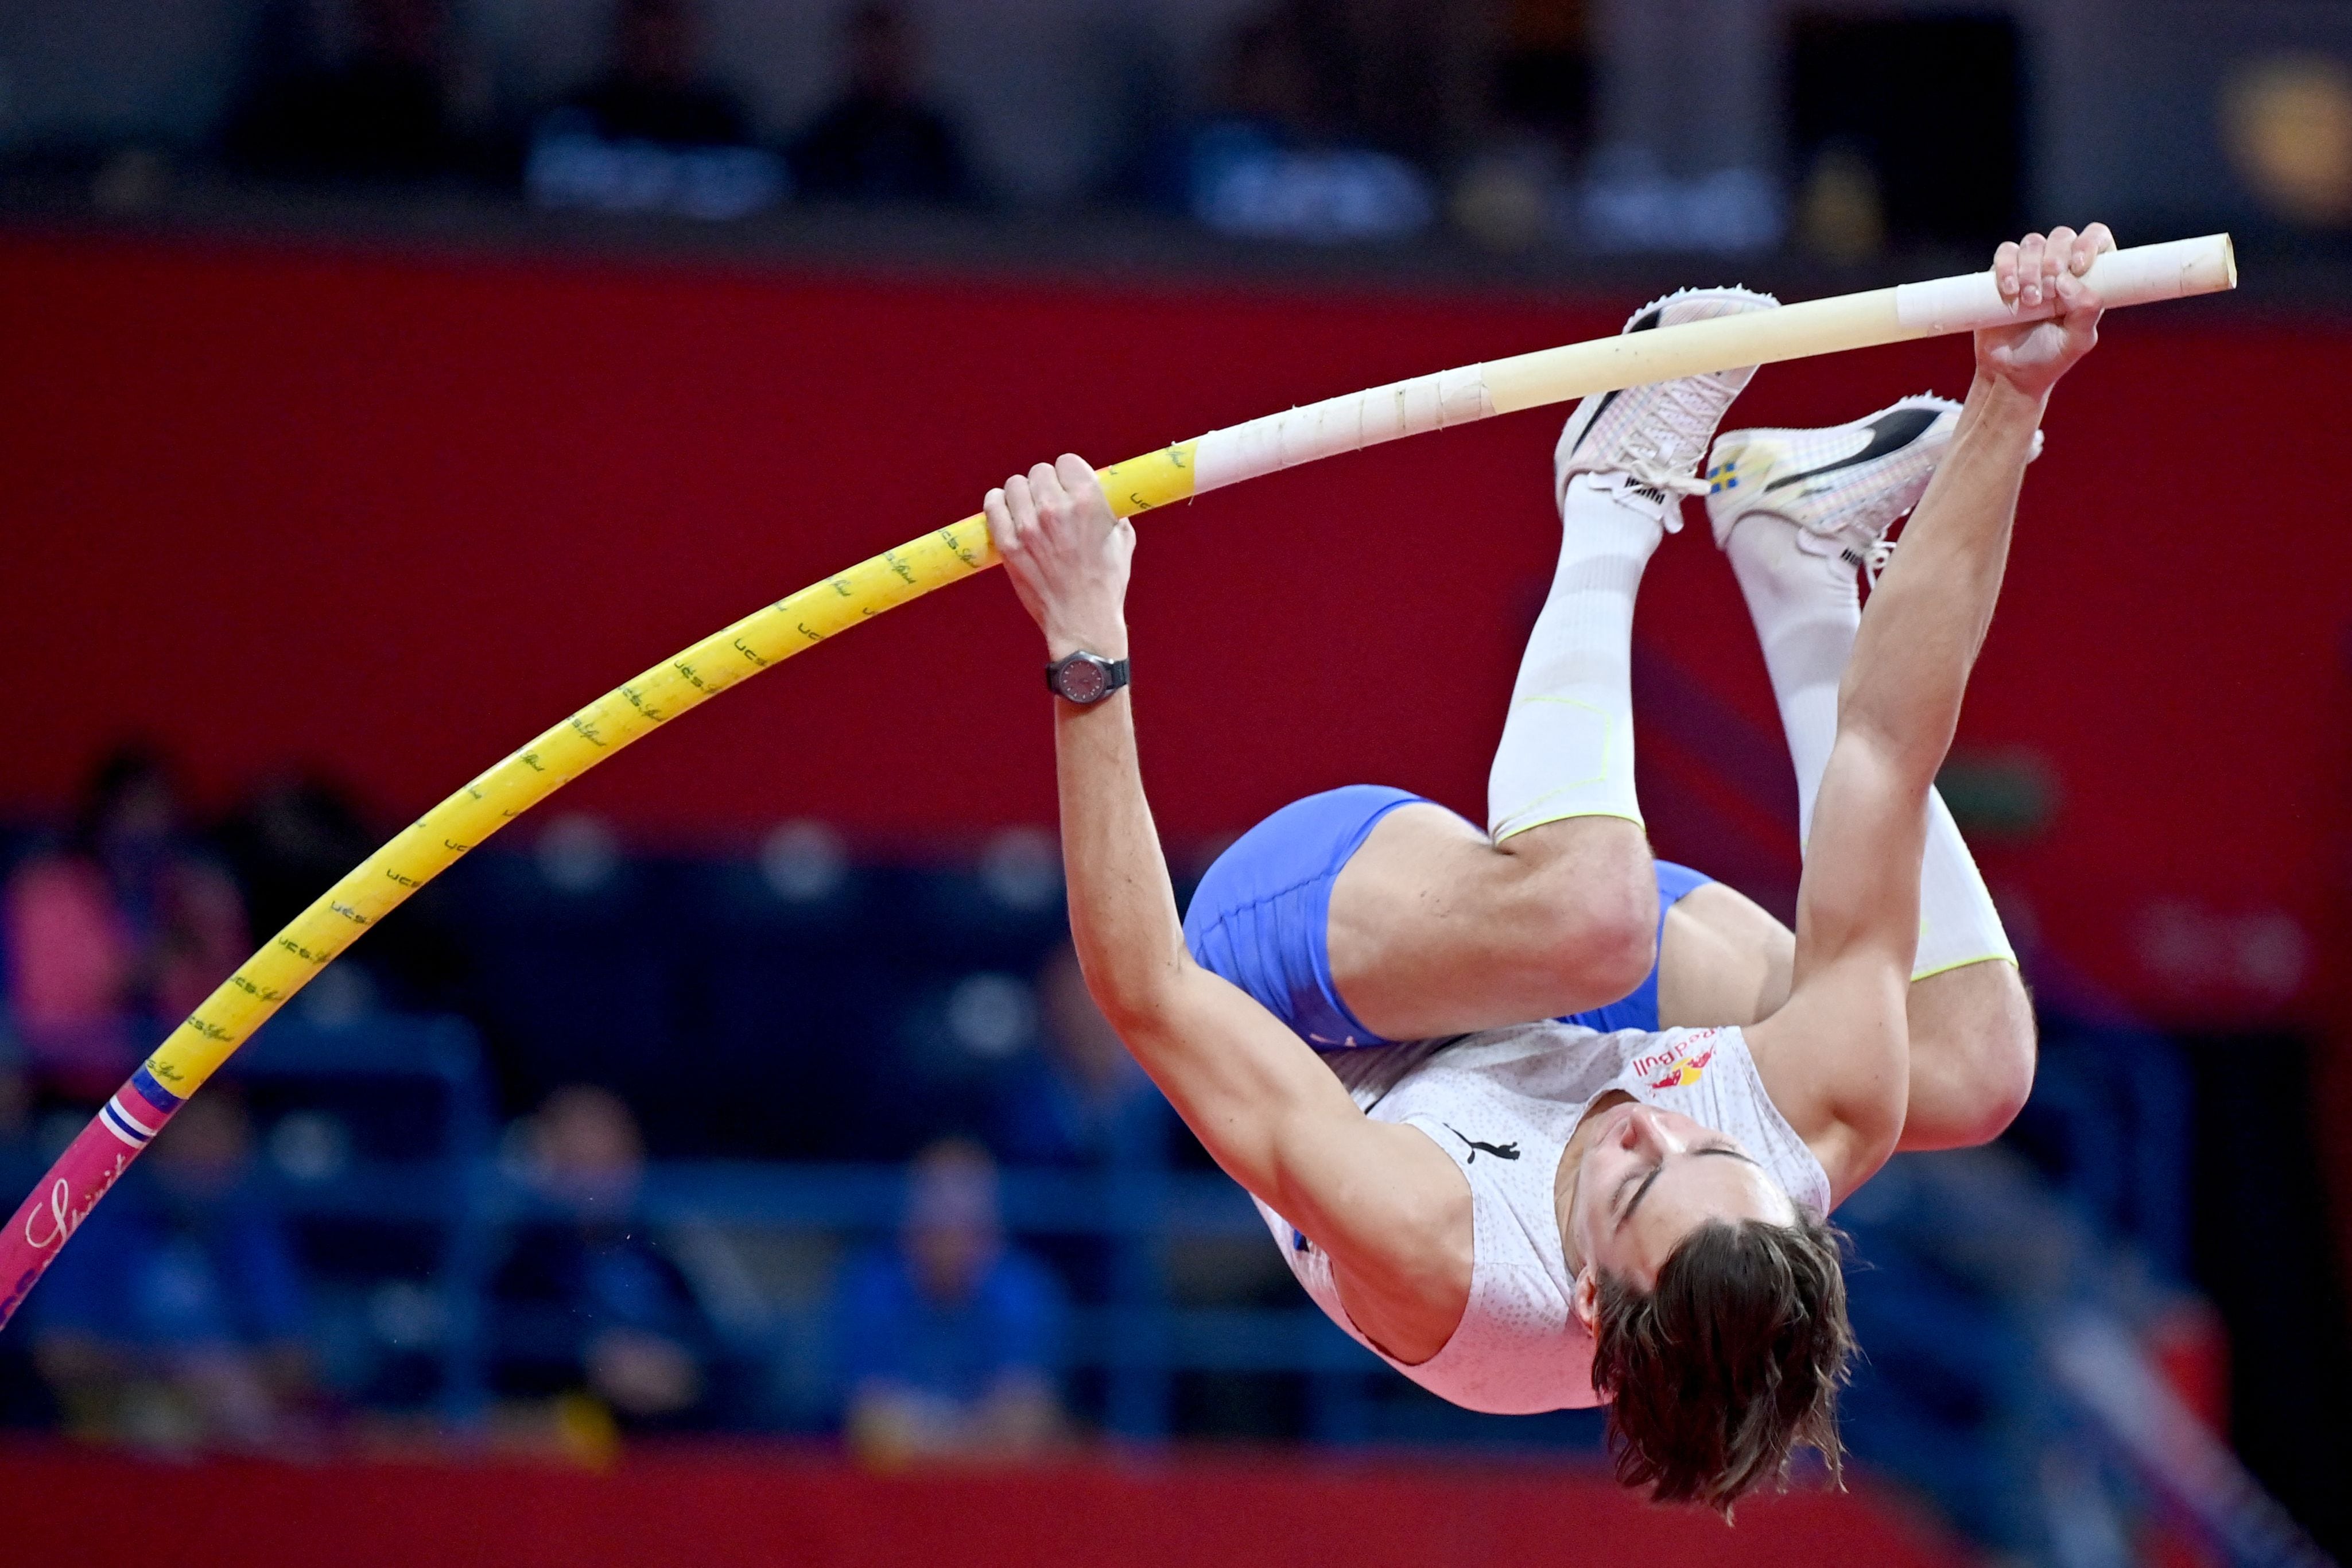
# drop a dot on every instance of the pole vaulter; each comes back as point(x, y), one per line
point(243, 1002)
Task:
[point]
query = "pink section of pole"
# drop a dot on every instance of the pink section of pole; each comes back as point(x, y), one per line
point(61, 1200)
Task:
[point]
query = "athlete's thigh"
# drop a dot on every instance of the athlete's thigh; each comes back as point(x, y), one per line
point(1434, 930)
point(1421, 887)
point(1723, 959)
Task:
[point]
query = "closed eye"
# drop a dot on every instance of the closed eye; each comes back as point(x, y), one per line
point(1625, 1211)
point(1642, 1190)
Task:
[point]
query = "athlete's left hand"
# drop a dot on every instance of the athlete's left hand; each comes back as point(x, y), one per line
point(2031, 272)
point(1066, 554)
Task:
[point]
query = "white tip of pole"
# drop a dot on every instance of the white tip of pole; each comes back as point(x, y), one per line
point(2141, 275)
point(2147, 273)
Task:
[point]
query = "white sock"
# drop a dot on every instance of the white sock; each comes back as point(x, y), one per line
point(1568, 745)
point(1807, 609)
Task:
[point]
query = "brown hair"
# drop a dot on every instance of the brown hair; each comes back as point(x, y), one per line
point(1731, 1363)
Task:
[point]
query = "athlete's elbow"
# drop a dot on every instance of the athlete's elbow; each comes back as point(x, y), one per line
point(1872, 1124)
point(1144, 998)
point(1138, 994)
point(1870, 1107)
point(1134, 1006)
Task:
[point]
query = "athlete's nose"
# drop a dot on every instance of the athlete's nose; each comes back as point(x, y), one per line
point(1641, 1130)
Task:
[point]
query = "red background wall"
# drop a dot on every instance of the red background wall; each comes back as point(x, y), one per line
point(718, 1511)
point(389, 515)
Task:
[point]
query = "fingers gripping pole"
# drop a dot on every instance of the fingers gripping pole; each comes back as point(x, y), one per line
point(245, 1001)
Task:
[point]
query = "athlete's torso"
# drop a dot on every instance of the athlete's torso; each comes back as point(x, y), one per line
point(1504, 1103)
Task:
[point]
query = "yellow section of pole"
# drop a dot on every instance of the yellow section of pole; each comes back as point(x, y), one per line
point(435, 841)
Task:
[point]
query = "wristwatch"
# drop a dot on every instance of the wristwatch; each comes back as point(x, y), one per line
point(1084, 678)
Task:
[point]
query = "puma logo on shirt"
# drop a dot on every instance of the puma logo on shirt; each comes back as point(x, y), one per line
point(1500, 1151)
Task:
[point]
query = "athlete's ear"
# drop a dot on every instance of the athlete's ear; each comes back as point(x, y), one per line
point(1584, 1299)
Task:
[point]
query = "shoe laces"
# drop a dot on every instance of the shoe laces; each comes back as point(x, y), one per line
point(1872, 558)
point(1662, 450)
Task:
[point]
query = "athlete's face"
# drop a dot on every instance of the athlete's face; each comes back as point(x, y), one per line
point(1647, 1179)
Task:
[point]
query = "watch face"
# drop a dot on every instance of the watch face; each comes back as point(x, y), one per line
point(1084, 680)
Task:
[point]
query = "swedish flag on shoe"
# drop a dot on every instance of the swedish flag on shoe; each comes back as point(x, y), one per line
point(1843, 486)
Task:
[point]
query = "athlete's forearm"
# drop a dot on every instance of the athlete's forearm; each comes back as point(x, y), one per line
point(1927, 616)
point(1250, 1090)
point(1122, 905)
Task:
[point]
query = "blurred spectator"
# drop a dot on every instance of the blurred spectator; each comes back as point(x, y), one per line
point(125, 925)
point(586, 1305)
point(1507, 195)
point(1411, 77)
point(651, 135)
point(1086, 1101)
point(1292, 152)
point(382, 113)
point(292, 840)
point(15, 1105)
point(652, 93)
point(1543, 69)
point(948, 1340)
point(880, 142)
point(1271, 80)
point(175, 1321)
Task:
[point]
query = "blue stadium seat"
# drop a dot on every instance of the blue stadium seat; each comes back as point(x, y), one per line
point(576, 985)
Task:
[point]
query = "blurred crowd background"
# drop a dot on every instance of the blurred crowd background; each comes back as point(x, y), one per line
point(1515, 127)
point(758, 1095)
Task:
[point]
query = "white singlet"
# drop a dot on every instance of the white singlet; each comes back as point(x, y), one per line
point(1504, 1104)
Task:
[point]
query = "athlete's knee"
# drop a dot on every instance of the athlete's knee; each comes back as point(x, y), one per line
point(1621, 933)
point(2012, 1044)
point(1590, 920)
point(1997, 1045)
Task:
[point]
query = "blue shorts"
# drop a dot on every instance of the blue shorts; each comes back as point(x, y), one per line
point(1262, 916)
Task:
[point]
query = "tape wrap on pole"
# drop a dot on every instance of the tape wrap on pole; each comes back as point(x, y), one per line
point(822, 610)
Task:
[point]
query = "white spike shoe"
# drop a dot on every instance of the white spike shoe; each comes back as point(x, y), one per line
point(1655, 434)
point(1843, 487)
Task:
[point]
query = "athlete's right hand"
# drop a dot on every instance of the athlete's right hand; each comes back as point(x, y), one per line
point(1066, 554)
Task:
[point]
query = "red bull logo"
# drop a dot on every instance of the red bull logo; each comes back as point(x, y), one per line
point(1680, 1070)
point(1685, 1072)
